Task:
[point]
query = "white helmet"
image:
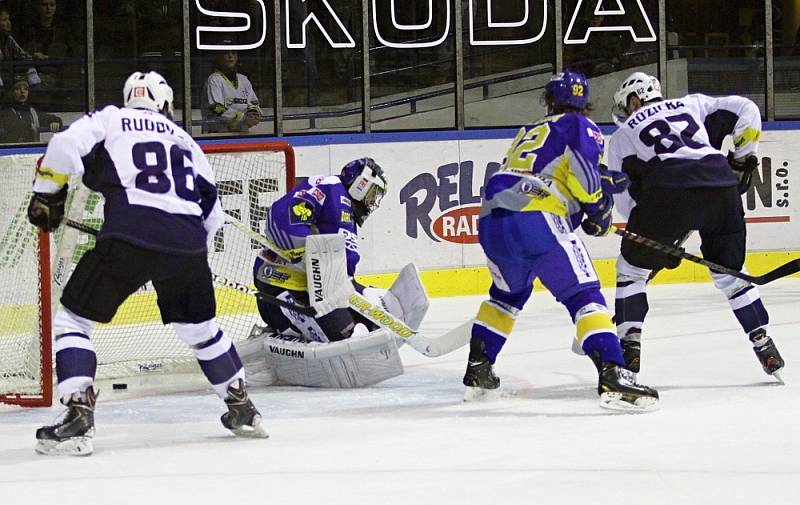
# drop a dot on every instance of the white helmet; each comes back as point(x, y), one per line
point(148, 91)
point(644, 86)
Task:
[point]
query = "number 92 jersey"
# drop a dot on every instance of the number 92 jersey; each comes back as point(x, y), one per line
point(551, 166)
point(676, 143)
point(158, 186)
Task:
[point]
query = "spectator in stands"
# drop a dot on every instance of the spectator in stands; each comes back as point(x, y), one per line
point(11, 53)
point(229, 103)
point(19, 122)
point(48, 37)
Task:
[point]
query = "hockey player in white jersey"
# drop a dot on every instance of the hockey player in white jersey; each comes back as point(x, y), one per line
point(160, 208)
point(681, 181)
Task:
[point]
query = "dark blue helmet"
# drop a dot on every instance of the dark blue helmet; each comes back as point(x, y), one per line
point(569, 89)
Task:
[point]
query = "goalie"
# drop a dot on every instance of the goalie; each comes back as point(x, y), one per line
point(304, 279)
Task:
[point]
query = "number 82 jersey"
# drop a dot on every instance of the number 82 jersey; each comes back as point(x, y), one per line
point(676, 143)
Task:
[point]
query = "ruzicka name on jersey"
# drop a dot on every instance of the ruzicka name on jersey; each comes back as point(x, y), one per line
point(652, 110)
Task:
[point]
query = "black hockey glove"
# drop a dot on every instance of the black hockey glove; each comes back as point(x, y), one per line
point(743, 169)
point(46, 210)
point(598, 217)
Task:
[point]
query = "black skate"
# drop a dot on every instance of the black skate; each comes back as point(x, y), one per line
point(242, 417)
point(73, 435)
point(632, 349)
point(619, 391)
point(767, 354)
point(479, 378)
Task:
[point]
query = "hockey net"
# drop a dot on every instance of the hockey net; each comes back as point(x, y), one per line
point(249, 175)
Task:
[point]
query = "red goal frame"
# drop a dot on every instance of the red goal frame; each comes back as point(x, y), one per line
point(45, 397)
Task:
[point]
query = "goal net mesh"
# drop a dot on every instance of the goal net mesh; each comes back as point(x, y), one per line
point(135, 342)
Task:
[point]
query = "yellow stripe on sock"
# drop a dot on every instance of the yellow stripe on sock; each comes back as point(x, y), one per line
point(496, 318)
point(592, 323)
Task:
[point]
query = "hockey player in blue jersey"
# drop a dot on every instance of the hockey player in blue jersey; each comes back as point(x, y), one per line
point(548, 181)
point(160, 208)
point(670, 148)
point(335, 204)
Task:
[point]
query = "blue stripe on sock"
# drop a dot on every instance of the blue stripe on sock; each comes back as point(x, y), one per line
point(752, 316)
point(208, 343)
point(607, 345)
point(494, 342)
point(72, 334)
point(75, 362)
point(740, 293)
point(631, 308)
point(222, 368)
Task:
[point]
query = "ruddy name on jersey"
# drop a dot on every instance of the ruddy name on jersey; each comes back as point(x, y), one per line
point(144, 124)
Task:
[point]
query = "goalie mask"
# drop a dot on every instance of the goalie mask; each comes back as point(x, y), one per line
point(366, 184)
point(645, 87)
point(148, 91)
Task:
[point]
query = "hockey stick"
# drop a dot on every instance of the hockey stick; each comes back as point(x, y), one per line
point(219, 280)
point(431, 347)
point(788, 268)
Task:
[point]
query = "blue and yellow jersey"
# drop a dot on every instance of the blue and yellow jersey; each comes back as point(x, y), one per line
point(321, 205)
point(551, 166)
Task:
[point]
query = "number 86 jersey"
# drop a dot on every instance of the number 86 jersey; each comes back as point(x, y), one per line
point(158, 186)
point(676, 143)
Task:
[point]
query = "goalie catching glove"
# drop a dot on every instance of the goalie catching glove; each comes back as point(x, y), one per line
point(46, 210)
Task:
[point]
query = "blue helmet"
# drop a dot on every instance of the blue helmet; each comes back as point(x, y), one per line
point(569, 88)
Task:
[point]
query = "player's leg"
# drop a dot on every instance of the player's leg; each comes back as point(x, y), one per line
point(566, 271)
point(723, 242)
point(104, 277)
point(186, 300)
point(637, 261)
point(512, 285)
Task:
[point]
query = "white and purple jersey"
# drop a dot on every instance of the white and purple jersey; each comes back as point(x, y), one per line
point(158, 185)
point(321, 205)
point(676, 143)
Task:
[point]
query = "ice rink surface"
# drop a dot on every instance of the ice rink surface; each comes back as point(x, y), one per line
point(726, 433)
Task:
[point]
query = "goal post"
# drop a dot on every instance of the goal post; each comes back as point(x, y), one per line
point(250, 176)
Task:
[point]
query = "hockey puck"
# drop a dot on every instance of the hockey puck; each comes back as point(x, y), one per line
point(119, 386)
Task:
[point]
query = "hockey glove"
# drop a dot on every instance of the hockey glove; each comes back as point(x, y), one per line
point(46, 210)
point(743, 169)
point(598, 217)
point(613, 181)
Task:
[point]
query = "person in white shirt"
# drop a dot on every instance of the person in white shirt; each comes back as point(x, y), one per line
point(229, 103)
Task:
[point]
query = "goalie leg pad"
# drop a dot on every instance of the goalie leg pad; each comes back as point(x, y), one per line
point(407, 298)
point(355, 362)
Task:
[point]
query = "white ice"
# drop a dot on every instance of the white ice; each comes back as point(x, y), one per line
point(726, 432)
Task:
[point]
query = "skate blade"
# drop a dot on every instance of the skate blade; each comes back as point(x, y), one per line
point(475, 394)
point(255, 431)
point(620, 401)
point(778, 374)
point(75, 446)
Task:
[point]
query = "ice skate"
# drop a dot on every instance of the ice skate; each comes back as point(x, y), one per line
point(619, 391)
point(72, 436)
point(632, 349)
point(481, 382)
point(767, 354)
point(242, 417)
